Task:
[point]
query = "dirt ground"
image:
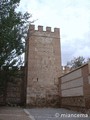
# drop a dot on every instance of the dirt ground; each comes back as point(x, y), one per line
point(13, 113)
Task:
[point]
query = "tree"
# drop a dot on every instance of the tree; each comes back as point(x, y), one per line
point(88, 60)
point(76, 62)
point(13, 29)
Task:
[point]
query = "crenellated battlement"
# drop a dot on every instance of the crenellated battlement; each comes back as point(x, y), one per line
point(40, 29)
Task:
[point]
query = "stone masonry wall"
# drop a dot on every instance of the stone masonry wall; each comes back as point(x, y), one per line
point(13, 92)
point(75, 88)
point(43, 66)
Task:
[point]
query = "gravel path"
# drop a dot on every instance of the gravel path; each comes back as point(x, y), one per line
point(13, 113)
point(55, 114)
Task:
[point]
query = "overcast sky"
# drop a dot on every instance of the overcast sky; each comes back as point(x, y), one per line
point(73, 19)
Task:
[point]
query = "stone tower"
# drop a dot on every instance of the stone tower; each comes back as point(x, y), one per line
point(43, 66)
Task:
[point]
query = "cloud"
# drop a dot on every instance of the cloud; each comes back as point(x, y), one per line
point(71, 16)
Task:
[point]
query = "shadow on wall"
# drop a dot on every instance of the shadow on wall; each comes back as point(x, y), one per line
point(11, 89)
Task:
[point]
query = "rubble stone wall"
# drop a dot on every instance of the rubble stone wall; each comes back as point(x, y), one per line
point(75, 88)
point(44, 66)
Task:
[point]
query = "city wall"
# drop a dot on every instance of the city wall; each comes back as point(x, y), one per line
point(75, 88)
point(46, 83)
point(12, 92)
point(43, 64)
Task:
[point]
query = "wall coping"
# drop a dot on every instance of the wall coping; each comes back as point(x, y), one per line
point(76, 69)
